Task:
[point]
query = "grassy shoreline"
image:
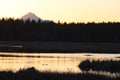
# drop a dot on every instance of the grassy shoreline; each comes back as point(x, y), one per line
point(97, 65)
point(33, 74)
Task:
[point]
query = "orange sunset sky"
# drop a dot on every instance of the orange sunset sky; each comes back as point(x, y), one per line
point(64, 10)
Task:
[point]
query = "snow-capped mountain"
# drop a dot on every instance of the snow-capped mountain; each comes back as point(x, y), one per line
point(30, 16)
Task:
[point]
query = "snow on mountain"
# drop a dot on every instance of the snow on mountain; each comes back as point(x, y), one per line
point(30, 16)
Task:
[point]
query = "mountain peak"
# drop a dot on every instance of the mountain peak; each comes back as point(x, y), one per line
point(30, 16)
point(30, 13)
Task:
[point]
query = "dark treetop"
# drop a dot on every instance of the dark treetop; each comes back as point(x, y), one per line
point(19, 30)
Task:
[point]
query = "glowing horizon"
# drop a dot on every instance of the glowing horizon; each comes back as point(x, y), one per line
point(63, 10)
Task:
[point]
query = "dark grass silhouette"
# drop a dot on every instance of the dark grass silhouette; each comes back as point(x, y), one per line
point(33, 74)
point(105, 65)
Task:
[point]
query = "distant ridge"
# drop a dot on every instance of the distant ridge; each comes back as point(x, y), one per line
point(30, 16)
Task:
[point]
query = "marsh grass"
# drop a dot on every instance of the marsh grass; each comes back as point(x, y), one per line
point(33, 74)
point(97, 65)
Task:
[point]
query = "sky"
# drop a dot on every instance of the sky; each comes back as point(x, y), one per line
point(64, 10)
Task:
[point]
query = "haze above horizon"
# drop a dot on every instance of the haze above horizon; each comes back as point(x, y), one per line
point(64, 10)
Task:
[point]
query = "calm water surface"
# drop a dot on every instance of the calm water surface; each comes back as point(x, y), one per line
point(48, 62)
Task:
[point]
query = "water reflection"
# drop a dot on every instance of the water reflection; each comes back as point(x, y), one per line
point(42, 64)
point(113, 75)
point(47, 62)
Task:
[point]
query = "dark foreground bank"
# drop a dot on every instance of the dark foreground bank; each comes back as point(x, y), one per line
point(33, 74)
point(105, 65)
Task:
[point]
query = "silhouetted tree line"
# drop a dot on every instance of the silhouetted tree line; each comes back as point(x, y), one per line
point(19, 30)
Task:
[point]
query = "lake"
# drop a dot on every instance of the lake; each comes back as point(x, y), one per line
point(52, 62)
